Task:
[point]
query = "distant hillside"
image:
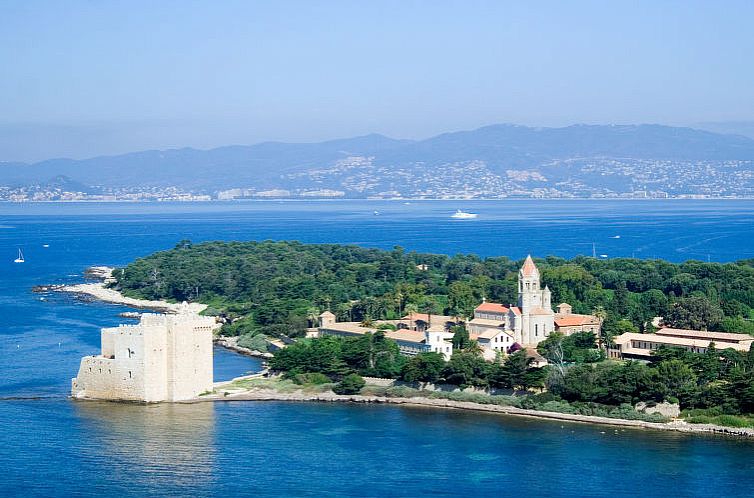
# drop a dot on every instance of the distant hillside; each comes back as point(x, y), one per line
point(578, 160)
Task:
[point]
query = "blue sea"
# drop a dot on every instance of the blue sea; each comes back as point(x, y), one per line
point(52, 446)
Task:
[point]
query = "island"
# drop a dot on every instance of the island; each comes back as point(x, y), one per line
point(353, 323)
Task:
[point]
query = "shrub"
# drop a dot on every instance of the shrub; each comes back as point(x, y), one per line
point(351, 384)
point(256, 342)
point(386, 326)
point(311, 378)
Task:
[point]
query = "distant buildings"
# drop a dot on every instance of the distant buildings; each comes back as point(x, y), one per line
point(416, 332)
point(163, 358)
point(633, 346)
point(497, 328)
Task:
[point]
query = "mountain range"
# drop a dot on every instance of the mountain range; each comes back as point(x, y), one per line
point(578, 160)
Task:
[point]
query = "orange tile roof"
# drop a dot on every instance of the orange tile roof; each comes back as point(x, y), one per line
point(492, 307)
point(572, 320)
point(529, 268)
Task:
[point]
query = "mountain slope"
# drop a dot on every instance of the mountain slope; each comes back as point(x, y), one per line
point(499, 158)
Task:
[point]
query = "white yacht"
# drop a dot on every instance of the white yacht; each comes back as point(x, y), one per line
point(20, 258)
point(461, 215)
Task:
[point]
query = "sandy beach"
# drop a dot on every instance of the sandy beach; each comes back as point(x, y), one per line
point(98, 290)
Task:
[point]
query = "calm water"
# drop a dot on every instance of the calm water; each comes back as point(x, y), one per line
point(50, 445)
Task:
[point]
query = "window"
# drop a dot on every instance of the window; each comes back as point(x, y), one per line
point(129, 374)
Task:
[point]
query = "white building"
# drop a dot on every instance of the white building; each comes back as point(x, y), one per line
point(532, 321)
point(498, 327)
point(163, 358)
point(635, 346)
point(416, 332)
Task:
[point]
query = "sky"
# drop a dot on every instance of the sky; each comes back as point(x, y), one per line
point(85, 78)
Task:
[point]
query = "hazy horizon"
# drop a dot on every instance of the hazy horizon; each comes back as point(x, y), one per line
point(730, 128)
point(88, 79)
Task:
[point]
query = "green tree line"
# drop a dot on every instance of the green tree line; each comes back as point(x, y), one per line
point(279, 288)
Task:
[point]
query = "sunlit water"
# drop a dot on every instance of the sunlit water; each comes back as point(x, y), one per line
point(50, 445)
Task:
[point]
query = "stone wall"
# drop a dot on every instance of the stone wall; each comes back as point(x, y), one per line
point(164, 358)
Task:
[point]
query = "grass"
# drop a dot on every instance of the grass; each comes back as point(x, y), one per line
point(278, 384)
point(714, 416)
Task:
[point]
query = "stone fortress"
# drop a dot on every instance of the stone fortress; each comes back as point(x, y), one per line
point(163, 358)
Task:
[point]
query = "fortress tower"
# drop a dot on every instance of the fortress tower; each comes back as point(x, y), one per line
point(163, 358)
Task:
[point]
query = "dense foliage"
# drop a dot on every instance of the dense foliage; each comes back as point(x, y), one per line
point(279, 288)
point(721, 379)
point(375, 355)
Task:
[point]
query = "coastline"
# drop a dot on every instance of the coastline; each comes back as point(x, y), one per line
point(231, 343)
point(330, 397)
point(99, 292)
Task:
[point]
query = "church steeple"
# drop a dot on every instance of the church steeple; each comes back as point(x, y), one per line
point(529, 295)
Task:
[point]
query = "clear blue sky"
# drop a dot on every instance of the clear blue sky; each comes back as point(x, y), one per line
point(82, 78)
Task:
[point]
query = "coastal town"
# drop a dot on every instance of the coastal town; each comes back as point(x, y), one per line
point(361, 177)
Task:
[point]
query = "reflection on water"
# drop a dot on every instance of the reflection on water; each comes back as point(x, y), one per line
point(169, 444)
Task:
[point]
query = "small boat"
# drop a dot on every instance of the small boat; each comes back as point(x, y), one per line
point(45, 245)
point(603, 255)
point(461, 215)
point(615, 237)
point(376, 213)
point(20, 258)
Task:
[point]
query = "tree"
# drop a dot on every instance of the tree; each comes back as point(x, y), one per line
point(461, 339)
point(373, 354)
point(552, 350)
point(696, 313)
point(424, 367)
point(466, 369)
point(676, 377)
point(351, 384)
point(461, 300)
point(516, 372)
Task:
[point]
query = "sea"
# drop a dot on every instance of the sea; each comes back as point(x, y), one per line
point(51, 445)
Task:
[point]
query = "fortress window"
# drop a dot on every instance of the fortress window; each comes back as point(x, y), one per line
point(130, 352)
point(129, 374)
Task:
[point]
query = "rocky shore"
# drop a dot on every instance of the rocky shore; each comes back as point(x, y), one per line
point(99, 292)
point(231, 343)
point(257, 394)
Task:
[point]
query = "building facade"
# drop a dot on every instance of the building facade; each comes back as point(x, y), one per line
point(163, 358)
point(635, 346)
point(416, 333)
point(499, 327)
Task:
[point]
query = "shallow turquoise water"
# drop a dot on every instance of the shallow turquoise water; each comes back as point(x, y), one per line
point(50, 445)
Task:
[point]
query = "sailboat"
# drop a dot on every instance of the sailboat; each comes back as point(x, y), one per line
point(20, 258)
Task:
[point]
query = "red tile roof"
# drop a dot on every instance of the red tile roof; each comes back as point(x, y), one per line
point(492, 307)
point(572, 320)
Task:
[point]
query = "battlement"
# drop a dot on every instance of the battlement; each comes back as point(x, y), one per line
point(162, 358)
